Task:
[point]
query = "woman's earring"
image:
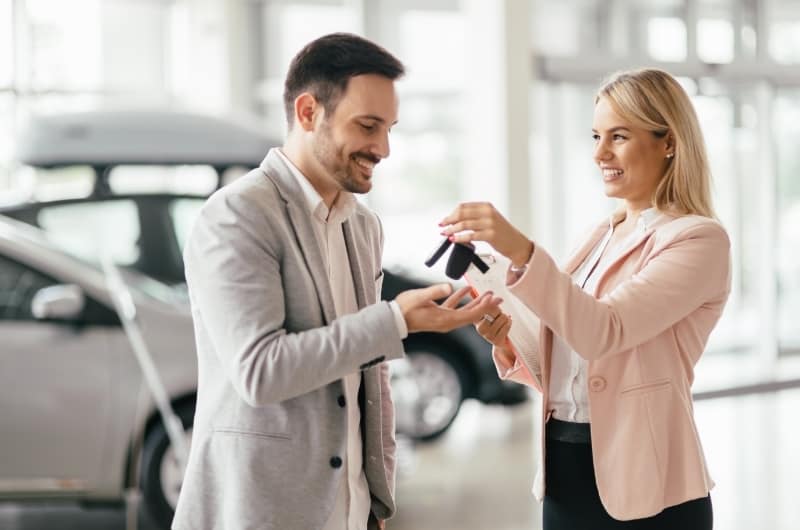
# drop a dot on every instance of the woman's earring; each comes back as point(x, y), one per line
point(670, 155)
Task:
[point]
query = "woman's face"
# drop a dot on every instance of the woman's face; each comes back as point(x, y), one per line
point(631, 160)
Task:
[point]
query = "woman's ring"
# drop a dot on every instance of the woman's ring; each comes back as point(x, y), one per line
point(488, 318)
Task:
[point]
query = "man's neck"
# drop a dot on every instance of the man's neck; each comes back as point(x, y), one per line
point(305, 162)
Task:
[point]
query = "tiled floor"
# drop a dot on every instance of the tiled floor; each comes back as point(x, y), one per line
point(478, 476)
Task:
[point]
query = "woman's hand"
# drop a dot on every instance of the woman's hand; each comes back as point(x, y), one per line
point(494, 328)
point(480, 221)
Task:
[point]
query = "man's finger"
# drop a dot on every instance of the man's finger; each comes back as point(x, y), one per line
point(453, 299)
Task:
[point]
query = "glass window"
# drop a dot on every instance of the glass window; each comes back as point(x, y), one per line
point(784, 42)
point(666, 39)
point(88, 230)
point(6, 140)
point(18, 285)
point(556, 30)
point(787, 127)
point(715, 40)
point(424, 61)
point(191, 179)
point(184, 212)
point(6, 45)
point(66, 44)
point(52, 184)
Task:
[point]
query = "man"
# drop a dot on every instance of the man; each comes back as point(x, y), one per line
point(294, 423)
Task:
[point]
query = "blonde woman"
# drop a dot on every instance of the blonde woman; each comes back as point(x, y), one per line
point(624, 322)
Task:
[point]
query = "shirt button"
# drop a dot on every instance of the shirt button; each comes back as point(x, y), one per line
point(336, 462)
point(342, 402)
point(597, 383)
point(369, 402)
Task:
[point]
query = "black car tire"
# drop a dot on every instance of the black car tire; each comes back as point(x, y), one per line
point(444, 380)
point(156, 446)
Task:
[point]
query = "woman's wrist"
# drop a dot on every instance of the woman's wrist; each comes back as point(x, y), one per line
point(521, 258)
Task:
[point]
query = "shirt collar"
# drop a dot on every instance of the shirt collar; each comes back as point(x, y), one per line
point(342, 208)
point(643, 223)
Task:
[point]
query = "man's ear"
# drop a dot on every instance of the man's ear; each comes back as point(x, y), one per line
point(306, 107)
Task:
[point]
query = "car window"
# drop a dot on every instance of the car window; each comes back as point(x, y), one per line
point(88, 229)
point(183, 178)
point(184, 212)
point(18, 285)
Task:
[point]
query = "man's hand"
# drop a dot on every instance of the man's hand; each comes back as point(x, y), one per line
point(422, 313)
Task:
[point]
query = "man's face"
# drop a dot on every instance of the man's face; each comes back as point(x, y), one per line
point(355, 137)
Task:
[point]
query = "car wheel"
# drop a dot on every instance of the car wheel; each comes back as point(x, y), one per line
point(428, 389)
point(162, 474)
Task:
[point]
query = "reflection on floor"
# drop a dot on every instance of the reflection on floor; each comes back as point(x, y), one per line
point(478, 476)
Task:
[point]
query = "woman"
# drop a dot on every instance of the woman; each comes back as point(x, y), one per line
point(625, 322)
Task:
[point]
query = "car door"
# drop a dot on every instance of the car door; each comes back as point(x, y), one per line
point(55, 388)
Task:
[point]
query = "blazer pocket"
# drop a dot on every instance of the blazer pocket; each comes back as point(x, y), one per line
point(228, 431)
point(646, 388)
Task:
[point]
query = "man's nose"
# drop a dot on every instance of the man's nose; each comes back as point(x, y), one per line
point(382, 148)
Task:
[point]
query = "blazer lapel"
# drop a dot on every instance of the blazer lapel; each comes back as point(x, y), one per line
point(301, 218)
point(633, 245)
point(364, 287)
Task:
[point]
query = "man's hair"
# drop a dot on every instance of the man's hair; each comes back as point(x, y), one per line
point(324, 67)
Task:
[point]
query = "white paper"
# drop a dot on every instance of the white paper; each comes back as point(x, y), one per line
point(524, 332)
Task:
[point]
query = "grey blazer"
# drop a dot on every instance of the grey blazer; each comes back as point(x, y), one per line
point(272, 355)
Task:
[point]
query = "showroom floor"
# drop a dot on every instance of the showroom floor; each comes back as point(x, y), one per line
point(478, 476)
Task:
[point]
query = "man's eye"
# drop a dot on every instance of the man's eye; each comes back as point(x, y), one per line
point(368, 127)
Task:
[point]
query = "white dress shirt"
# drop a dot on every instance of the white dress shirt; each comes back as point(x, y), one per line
point(352, 507)
point(568, 394)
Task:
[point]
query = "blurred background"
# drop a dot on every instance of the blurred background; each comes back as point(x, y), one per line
point(496, 105)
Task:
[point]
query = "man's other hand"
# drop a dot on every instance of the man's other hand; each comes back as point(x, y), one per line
point(422, 313)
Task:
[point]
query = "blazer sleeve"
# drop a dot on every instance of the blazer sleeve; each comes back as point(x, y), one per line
point(238, 294)
point(690, 270)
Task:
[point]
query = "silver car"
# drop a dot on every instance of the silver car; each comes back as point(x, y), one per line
point(77, 420)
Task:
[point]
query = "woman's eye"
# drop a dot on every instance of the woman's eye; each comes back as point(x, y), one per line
point(368, 128)
point(596, 137)
point(619, 137)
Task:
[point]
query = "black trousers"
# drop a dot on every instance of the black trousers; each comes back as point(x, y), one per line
point(572, 502)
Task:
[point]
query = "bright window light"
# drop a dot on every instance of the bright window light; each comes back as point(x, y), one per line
point(433, 46)
point(715, 40)
point(6, 48)
point(666, 39)
point(784, 45)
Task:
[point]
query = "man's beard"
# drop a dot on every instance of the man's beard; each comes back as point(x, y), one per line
point(338, 165)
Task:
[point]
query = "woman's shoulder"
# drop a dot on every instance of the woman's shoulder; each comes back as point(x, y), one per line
point(689, 226)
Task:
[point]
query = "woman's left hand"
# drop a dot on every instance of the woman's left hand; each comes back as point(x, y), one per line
point(480, 221)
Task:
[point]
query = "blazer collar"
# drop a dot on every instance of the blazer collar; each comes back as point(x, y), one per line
point(300, 217)
point(652, 219)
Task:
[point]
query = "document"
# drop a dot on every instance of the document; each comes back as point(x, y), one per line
point(523, 337)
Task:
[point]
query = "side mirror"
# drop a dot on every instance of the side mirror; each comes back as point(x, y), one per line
point(58, 302)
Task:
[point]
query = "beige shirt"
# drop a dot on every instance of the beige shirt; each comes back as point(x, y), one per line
point(569, 388)
point(352, 507)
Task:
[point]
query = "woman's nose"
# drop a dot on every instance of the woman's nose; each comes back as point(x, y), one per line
point(601, 152)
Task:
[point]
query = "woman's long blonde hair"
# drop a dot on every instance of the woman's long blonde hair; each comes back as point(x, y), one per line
point(653, 100)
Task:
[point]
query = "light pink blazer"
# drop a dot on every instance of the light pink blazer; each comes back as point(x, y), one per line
point(642, 332)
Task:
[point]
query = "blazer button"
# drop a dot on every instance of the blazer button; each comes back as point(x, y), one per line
point(342, 402)
point(336, 462)
point(597, 383)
